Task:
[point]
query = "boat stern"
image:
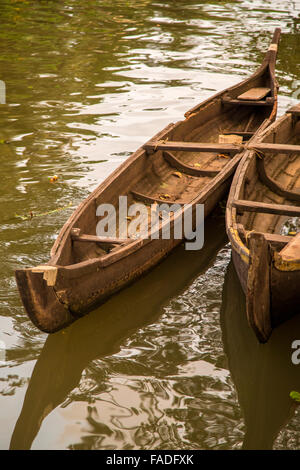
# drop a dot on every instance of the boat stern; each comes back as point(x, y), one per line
point(36, 287)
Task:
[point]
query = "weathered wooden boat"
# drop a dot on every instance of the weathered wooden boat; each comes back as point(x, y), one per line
point(262, 224)
point(193, 165)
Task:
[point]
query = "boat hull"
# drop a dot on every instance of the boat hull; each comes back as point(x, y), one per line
point(270, 283)
point(78, 291)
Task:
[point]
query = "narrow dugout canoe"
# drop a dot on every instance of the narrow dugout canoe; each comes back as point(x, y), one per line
point(262, 222)
point(84, 270)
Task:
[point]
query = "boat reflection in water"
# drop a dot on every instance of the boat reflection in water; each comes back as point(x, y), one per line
point(67, 353)
point(264, 374)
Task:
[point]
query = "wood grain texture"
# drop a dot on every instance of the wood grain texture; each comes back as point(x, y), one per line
point(276, 148)
point(255, 94)
point(258, 287)
point(193, 147)
point(254, 206)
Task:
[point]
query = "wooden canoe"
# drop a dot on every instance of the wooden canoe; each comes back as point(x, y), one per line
point(262, 224)
point(83, 271)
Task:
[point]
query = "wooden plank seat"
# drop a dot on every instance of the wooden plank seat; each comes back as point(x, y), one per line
point(255, 94)
point(277, 239)
point(278, 209)
point(187, 169)
point(269, 101)
point(78, 237)
point(192, 147)
point(276, 148)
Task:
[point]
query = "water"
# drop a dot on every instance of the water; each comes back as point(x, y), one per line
point(154, 368)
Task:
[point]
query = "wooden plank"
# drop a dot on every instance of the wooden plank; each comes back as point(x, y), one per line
point(95, 239)
point(276, 238)
point(277, 241)
point(278, 209)
point(267, 102)
point(187, 169)
point(291, 252)
point(152, 200)
point(258, 287)
point(230, 139)
point(275, 148)
point(255, 94)
point(193, 147)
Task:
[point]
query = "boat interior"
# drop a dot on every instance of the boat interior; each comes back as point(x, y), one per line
point(168, 169)
point(273, 178)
